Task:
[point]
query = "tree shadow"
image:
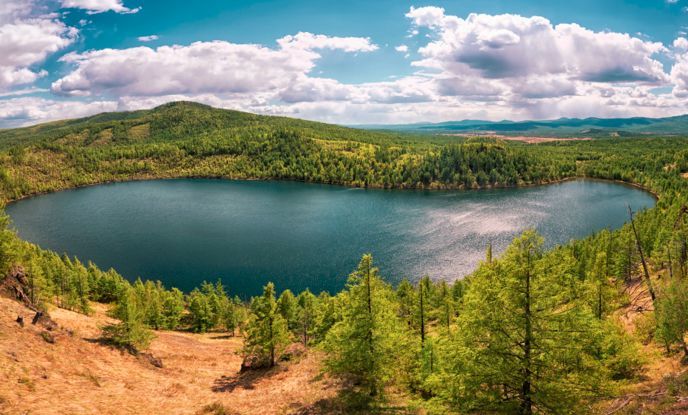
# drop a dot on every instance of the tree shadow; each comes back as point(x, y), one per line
point(223, 337)
point(349, 401)
point(245, 380)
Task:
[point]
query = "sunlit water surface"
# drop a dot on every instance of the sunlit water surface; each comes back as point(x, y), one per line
point(305, 235)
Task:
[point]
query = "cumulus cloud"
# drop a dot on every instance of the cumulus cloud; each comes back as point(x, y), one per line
point(202, 67)
point(15, 112)
point(26, 40)
point(681, 44)
point(309, 41)
point(478, 67)
point(99, 6)
point(508, 46)
point(149, 38)
point(679, 75)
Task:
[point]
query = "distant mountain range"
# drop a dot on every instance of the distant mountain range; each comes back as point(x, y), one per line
point(563, 127)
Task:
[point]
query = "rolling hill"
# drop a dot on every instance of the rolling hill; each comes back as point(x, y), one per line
point(563, 127)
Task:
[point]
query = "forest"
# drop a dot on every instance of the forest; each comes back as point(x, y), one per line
point(529, 331)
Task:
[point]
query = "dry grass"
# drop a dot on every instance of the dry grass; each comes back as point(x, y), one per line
point(79, 375)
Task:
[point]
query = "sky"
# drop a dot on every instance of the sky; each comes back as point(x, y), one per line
point(346, 62)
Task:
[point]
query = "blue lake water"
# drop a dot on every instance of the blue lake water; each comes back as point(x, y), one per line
point(302, 235)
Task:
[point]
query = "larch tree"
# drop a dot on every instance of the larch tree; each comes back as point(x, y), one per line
point(524, 344)
point(368, 343)
point(267, 329)
point(305, 316)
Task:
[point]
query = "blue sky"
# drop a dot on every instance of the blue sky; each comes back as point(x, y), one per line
point(345, 62)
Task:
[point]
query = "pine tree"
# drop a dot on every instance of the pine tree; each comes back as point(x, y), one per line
point(200, 311)
point(523, 341)
point(267, 329)
point(173, 308)
point(601, 291)
point(325, 315)
point(671, 314)
point(305, 316)
point(369, 342)
point(407, 298)
point(286, 304)
point(131, 332)
point(424, 288)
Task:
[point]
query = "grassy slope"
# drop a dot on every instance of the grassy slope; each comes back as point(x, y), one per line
point(76, 374)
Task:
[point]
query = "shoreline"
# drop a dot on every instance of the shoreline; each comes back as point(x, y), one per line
point(461, 188)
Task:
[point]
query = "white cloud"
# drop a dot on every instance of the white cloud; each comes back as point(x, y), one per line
point(22, 111)
point(148, 38)
point(99, 6)
point(507, 46)
point(26, 40)
point(309, 41)
point(477, 67)
point(681, 44)
point(202, 67)
point(679, 73)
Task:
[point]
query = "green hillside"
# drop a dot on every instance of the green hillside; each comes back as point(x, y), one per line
point(177, 120)
point(563, 127)
point(189, 140)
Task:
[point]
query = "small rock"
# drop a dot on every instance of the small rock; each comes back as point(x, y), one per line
point(254, 362)
point(48, 337)
point(155, 361)
point(293, 351)
point(20, 320)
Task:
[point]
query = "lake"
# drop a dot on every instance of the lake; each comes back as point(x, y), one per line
point(302, 235)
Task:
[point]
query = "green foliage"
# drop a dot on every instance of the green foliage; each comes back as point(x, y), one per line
point(672, 314)
point(523, 341)
point(200, 311)
point(287, 307)
point(367, 344)
point(131, 332)
point(267, 331)
point(172, 308)
point(306, 316)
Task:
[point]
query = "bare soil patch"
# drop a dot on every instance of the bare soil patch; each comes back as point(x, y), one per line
point(523, 139)
point(200, 374)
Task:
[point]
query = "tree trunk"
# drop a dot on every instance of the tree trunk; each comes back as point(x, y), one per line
point(526, 398)
point(373, 386)
point(642, 257)
point(599, 301)
point(272, 344)
point(422, 317)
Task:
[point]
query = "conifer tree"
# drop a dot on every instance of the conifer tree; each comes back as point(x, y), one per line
point(200, 311)
point(286, 304)
point(173, 308)
point(267, 329)
point(369, 342)
point(131, 331)
point(671, 314)
point(523, 344)
point(306, 315)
